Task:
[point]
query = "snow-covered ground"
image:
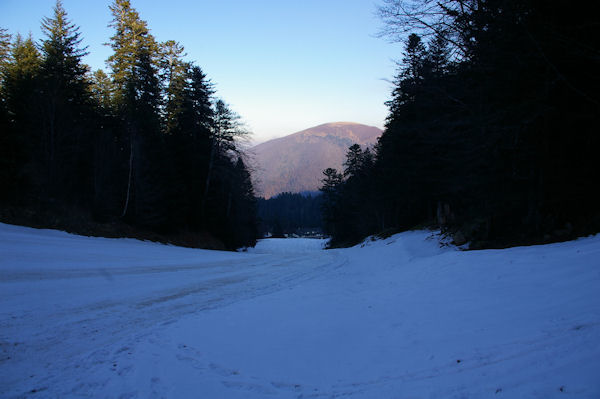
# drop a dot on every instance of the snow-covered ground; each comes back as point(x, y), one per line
point(398, 318)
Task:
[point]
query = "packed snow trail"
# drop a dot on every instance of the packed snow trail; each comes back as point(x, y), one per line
point(396, 318)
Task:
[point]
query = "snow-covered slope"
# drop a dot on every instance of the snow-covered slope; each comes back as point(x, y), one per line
point(397, 318)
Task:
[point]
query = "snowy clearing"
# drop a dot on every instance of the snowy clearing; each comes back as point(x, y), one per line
point(398, 318)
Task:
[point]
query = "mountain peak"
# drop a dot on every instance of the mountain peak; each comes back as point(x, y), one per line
point(338, 124)
point(295, 163)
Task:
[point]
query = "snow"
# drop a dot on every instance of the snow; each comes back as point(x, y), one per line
point(396, 318)
point(287, 246)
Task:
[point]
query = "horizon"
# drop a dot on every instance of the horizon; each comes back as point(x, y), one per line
point(281, 74)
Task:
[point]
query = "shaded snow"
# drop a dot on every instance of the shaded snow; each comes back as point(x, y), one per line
point(395, 318)
point(287, 245)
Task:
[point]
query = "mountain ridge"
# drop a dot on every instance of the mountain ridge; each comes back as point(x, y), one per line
point(295, 162)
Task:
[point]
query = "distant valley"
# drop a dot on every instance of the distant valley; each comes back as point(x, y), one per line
point(295, 163)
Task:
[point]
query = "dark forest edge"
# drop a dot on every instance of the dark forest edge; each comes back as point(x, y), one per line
point(291, 214)
point(145, 151)
point(492, 134)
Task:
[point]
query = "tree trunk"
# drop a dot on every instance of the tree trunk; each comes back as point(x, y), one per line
point(130, 175)
point(208, 177)
point(228, 205)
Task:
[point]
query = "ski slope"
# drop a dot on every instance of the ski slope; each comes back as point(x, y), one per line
point(85, 317)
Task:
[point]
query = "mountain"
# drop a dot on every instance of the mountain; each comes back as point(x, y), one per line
point(295, 163)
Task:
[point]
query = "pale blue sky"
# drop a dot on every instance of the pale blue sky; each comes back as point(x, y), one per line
point(282, 65)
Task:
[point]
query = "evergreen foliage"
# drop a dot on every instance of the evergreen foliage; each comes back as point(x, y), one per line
point(290, 213)
point(20, 134)
point(492, 130)
point(145, 147)
point(65, 109)
point(4, 46)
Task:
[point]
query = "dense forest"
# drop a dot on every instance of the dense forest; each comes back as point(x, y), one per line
point(491, 136)
point(145, 149)
point(492, 133)
point(290, 213)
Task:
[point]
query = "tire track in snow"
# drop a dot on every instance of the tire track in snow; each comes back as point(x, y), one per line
point(83, 334)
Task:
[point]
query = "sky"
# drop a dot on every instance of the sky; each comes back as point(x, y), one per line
point(283, 65)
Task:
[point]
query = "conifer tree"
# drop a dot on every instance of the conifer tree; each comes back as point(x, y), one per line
point(20, 74)
point(137, 97)
point(108, 154)
point(5, 40)
point(353, 162)
point(131, 38)
point(102, 89)
point(241, 207)
point(147, 151)
point(145, 143)
point(66, 104)
point(475, 138)
point(7, 139)
point(200, 94)
point(4, 47)
point(188, 127)
point(226, 131)
point(175, 75)
point(332, 192)
point(20, 148)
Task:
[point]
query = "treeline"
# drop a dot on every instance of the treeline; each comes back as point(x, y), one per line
point(147, 145)
point(492, 131)
point(289, 213)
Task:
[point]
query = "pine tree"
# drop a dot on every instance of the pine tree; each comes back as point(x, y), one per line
point(174, 71)
point(241, 208)
point(200, 94)
point(7, 139)
point(478, 119)
point(438, 57)
point(108, 153)
point(332, 192)
point(353, 162)
point(226, 131)
point(5, 55)
point(147, 150)
point(189, 120)
point(4, 47)
point(20, 140)
point(146, 143)
point(131, 38)
point(66, 104)
point(102, 90)
point(138, 99)
point(20, 74)
point(410, 78)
